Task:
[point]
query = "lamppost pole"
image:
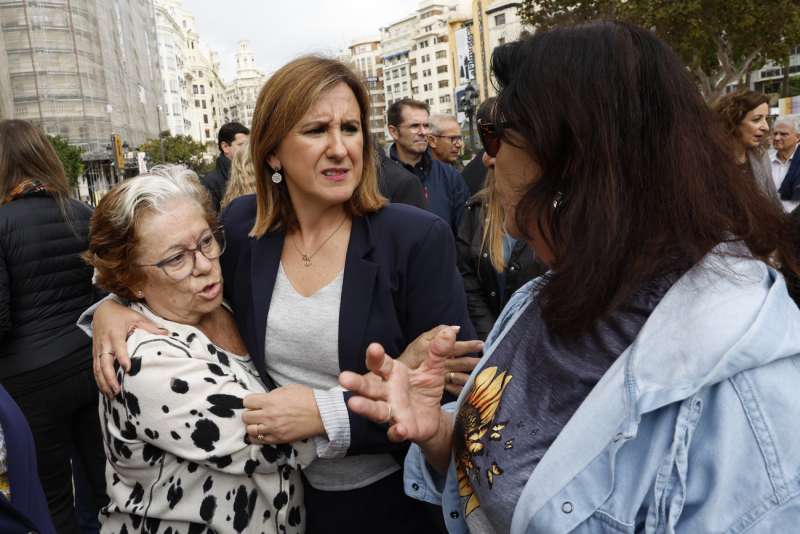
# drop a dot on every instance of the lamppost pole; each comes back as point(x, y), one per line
point(469, 104)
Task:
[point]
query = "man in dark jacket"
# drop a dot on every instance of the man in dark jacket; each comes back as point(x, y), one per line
point(444, 188)
point(231, 137)
point(397, 184)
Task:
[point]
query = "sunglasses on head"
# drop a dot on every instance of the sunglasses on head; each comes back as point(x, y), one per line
point(490, 136)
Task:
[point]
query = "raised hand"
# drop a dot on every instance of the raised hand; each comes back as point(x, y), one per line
point(458, 365)
point(407, 399)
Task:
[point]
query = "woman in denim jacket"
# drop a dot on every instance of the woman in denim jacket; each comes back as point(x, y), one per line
point(649, 381)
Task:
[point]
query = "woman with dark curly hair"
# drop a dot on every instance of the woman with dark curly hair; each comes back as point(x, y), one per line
point(744, 117)
point(647, 382)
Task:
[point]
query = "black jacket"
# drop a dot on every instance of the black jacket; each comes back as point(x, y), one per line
point(475, 173)
point(44, 283)
point(399, 185)
point(217, 181)
point(400, 280)
point(485, 296)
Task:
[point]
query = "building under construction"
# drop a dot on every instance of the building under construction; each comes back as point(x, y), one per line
point(81, 69)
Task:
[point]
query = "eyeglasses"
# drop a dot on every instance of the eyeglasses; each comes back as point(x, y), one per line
point(455, 139)
point(181, 264)
point(490, 136)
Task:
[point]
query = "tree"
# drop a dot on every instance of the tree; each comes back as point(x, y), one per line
point(70, 157)
point(719, 40)
point(180, 149)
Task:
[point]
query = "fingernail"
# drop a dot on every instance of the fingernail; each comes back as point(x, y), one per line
point(456, 329)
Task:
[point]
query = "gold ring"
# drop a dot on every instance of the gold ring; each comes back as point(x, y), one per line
point(389, 417)
point(109, 353)
point(260, 437)
point(449, 377)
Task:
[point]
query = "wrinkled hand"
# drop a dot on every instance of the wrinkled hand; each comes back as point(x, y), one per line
point(407, 399)
point(111, 325)
point(283, 415)
point(458, 366)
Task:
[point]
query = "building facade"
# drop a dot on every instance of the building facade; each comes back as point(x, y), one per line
point(366, 58)
point(242, 92)
point(171, 24)
point(82, 69)
point(396, 42)
point(207, 95)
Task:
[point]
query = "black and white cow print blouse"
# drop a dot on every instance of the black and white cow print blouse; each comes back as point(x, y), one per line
point(178, 460)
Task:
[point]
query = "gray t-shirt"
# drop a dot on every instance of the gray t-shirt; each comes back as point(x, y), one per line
point(523, 397)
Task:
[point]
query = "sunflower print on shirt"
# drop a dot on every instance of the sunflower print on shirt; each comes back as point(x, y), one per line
point(473, 425)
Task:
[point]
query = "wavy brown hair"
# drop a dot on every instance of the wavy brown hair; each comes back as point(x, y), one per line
point(636, 177)
point(732, 108)
point(282, 102)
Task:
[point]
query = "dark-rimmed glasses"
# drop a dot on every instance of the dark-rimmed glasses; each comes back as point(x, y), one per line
point(454, 139)
point(490, 135)
point(180, 265)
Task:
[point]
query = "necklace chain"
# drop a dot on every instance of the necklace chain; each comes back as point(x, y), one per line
point(307, 257)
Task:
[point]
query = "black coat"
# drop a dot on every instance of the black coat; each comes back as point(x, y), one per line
point(216, 182)
point(400, 280)
point(399, 185)
point(44, 283)
point(485, 297)
point(475, 173)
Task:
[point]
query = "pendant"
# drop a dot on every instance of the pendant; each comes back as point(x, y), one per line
point(306, 260)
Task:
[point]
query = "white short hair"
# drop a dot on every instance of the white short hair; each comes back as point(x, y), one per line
point(438, 120)
point(788, 121)
point(155, 189)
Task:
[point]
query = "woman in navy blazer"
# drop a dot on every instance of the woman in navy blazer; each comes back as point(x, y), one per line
point(318, 236)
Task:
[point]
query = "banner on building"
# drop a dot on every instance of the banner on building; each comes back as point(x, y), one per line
point(465, 58)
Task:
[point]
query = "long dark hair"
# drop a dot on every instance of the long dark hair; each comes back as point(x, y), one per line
point(636, 178)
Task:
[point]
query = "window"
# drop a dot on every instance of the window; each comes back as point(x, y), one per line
point(204, 104)
point(205, 119)
point(426, 73)
point(441, 54)
point(200, 73)
point(444, 99)
point(405, 86)
point(500, 19)
point(197, 103)
point(441, 68)
point(427, 87)
point(208, 134)
point(443, 83)
point(397, 88)
point(195, 90)
point(202, 89)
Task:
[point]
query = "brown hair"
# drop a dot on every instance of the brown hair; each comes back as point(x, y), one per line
point(282, 102)
point(636, 179)
point(26, 154)
point(394, 115)
point(734, 107)
point(113, 242)
point(242, 179)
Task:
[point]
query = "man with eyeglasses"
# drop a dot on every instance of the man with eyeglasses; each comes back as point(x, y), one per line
point(446, 193)
point(445, 139)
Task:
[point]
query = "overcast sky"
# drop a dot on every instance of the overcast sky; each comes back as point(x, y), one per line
point(279, 30)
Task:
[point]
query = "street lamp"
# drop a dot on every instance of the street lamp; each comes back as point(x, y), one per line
point(469, 104)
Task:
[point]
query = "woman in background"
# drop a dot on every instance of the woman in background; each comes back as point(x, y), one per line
point(45, 360)
point(744, 117)
point(242, 179)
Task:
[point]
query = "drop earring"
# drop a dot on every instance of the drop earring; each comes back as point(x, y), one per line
point(276, 177)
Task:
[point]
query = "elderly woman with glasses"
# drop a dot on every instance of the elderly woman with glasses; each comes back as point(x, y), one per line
point(178, 454)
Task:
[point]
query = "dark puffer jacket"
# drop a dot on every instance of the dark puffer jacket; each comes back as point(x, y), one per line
point(44, 284)
point(486, 297)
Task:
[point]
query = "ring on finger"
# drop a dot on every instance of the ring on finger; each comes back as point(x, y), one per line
point(260, 437)
point(449, 377)
point(106, 352)
point(388, 417)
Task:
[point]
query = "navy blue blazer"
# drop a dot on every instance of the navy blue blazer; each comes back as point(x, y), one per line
point(790, 187)
point(400, 280)
point(27, 511)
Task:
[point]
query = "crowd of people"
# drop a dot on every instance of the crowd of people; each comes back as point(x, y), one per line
point(590, 327)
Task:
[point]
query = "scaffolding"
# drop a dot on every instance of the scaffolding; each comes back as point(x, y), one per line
point(81, 69)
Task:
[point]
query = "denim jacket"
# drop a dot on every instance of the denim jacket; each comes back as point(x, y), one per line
point(694, 429)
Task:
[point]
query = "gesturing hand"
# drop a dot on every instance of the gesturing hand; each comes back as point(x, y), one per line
point(407, 399)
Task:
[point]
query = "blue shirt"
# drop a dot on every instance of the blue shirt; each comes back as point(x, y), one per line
point(446, 193)
point(692, 429)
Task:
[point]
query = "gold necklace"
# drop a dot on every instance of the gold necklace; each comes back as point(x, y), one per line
point(307, 257)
